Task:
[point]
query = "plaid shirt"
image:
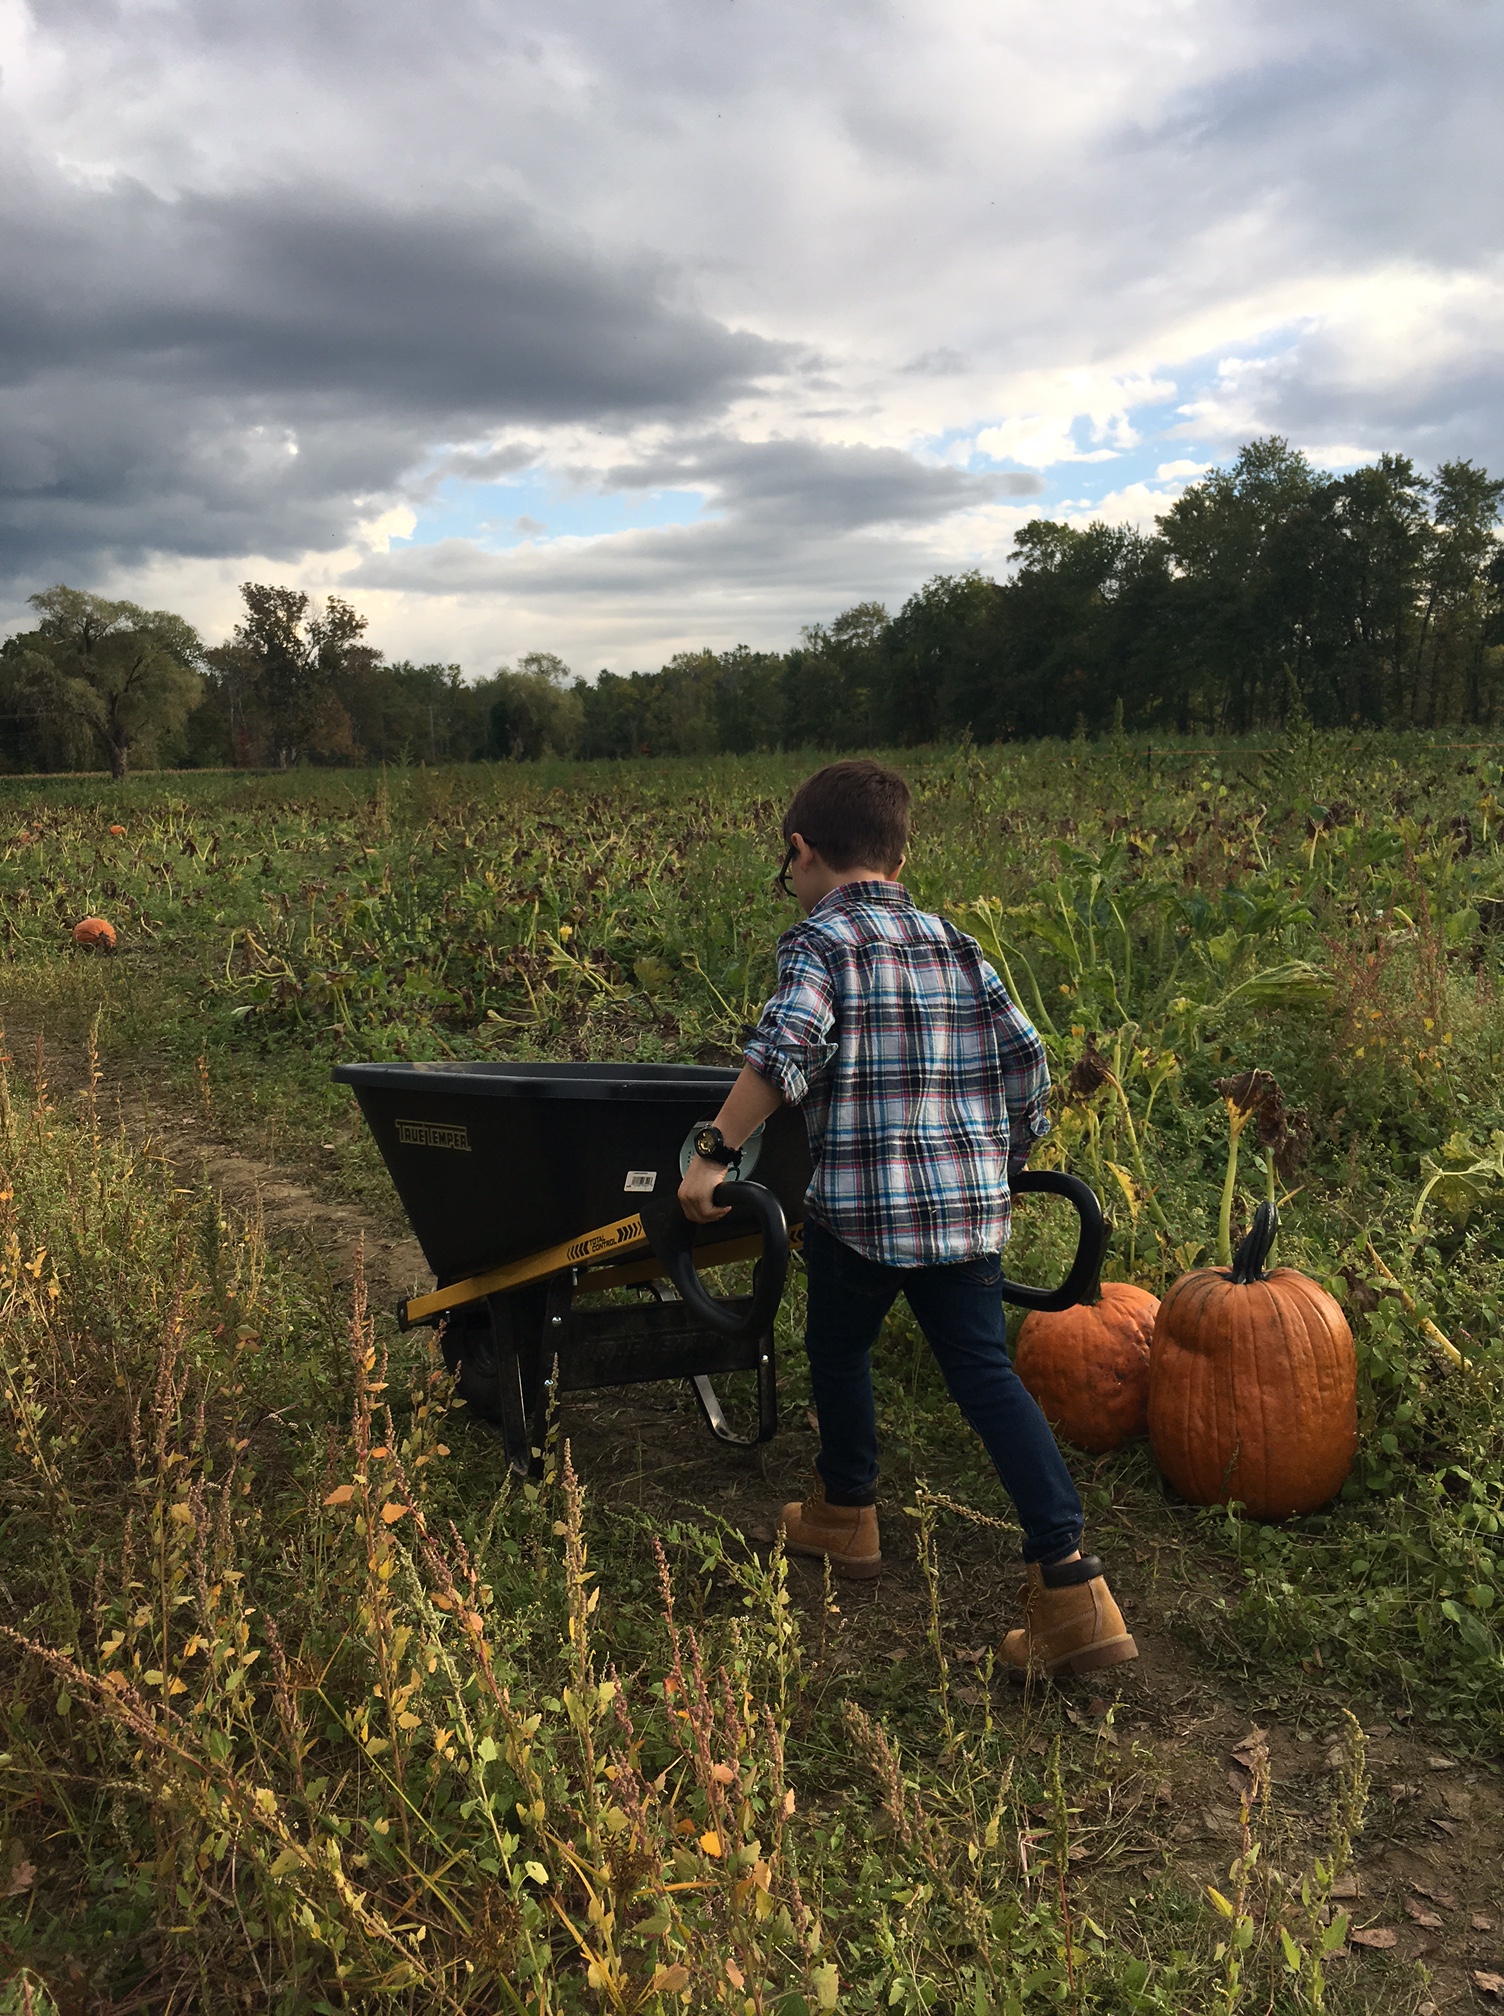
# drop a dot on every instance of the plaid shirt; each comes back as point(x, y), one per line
point(922, 1085)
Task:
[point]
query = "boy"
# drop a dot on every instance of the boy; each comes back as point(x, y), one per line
point(923, 1089)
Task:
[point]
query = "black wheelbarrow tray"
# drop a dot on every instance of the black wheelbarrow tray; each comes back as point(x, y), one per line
point(532, 1186)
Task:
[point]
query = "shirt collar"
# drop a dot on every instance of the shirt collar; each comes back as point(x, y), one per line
point(846, 895)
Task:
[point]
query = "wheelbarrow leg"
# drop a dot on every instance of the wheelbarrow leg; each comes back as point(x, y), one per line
point(767, 1402)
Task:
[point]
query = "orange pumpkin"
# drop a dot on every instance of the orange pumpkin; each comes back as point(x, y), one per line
point(95, 934)
point(1253, 1385)
point(1088, 1367)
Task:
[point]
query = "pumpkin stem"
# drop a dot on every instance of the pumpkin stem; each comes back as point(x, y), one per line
point(1254, 1251)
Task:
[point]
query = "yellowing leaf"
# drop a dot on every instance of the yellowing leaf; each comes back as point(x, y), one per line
point(669, 1980)
point(710, 1841)
point(391, 1512)
point(735, 1975)
point(722, 1774)
point(826, 1982)
point(407, 1720)
point(286, 1862)
point(537, 1871)
point(340, 1495)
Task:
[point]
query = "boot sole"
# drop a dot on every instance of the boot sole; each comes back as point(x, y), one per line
point(861, 1570)
point(1091, 1659)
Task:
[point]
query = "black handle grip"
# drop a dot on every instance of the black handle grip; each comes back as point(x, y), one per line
point(673, 1240)
point(1087, 1265)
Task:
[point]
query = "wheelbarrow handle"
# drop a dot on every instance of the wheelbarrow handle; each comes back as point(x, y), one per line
point(673, 1240)
point(1087, 1265)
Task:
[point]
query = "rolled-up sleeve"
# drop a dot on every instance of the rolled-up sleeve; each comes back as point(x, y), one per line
point(791, 1042)
point(1026, 1073)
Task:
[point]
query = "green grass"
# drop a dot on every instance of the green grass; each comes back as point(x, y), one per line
point(185, 1411)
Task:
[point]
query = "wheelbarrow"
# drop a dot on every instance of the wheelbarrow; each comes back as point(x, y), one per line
point(533, 1188)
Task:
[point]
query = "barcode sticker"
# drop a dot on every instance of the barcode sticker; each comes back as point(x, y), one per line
point(641, 1179)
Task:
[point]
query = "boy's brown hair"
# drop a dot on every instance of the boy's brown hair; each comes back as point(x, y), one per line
point(854, 814)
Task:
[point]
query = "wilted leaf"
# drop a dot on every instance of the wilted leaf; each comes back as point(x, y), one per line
point(20, 1879)
point(1488, 1984)
point(826, 1982)
point(1090, 1072)
point(735, 1975)
point(1379, 1938)
point(340, 1495)
point(392, 1511)
point(710, 1841)
point(669, 1980)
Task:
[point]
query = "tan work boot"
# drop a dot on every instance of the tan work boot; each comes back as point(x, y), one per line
point(846, 1535)
point(1071, 1624)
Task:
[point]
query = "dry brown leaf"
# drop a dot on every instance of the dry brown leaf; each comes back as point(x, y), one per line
point(340, 1495)
point(21, 1878)
point(1422, 1915)
point(1378, 1938)
point(669, 1980)
point(1481, 1924)
point(1344, 1886)
point(1441, 1763)
point(1442, 1897)
point(1164, 1793)
point(1252, 1749)
point(1489, 1984)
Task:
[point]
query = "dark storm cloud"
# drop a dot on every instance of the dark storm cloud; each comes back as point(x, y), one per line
point(225, 374)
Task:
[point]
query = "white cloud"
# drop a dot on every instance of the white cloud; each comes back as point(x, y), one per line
point(281, 281)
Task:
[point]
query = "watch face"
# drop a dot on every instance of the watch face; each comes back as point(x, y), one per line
point(707, 1140)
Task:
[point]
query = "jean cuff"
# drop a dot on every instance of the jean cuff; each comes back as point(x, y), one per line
point(845, 1494)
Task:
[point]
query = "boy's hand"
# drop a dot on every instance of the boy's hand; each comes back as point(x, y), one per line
point(697, 1189)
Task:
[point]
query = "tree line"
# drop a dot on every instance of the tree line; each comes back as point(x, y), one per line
point(1268, 591)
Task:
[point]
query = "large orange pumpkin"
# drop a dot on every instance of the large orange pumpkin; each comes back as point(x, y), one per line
point(95, 934)
point(1253, 1385)
point(1088, 1367)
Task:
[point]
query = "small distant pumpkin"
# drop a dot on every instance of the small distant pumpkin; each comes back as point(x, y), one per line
point(94, 934)
point(117, 831)
point(1088, 1367)
point(1253, 1385)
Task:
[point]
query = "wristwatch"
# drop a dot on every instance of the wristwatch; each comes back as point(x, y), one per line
point(710, 1146)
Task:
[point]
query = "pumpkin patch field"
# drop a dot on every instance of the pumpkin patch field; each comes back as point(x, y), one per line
point(308, 1706)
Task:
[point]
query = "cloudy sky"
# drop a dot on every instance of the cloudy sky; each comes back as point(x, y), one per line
point(617, 327)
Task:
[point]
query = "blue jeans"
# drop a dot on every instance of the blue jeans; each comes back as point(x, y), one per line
point(960, 1312)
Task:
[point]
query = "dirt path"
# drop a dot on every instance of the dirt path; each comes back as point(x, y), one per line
point(1429, 1868)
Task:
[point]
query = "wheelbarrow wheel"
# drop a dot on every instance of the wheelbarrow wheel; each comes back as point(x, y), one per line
point(492, 1350)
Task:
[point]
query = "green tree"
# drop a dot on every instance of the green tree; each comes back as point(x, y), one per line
point(930, 657)
point(533, 714)
point(128, 675)
point(834, 678)
point(291, 677)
